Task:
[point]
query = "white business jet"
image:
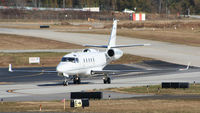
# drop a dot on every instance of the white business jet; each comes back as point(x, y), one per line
point(90, 62)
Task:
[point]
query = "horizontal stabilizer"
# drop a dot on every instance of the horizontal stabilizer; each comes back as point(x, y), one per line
point(132, 45)
point(117, 46)
point(99, 46)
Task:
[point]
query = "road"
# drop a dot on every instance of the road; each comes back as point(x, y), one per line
point(174, 53)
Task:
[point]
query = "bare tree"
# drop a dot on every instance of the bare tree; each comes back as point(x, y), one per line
point(34, 3)
point(19, 3)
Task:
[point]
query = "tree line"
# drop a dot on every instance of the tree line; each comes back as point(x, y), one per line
point(149, 6)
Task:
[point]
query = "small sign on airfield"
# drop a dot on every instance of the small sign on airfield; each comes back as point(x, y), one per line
point(34, 60)
point(77, 103)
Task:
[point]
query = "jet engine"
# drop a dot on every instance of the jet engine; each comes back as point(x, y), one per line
point(114, 53)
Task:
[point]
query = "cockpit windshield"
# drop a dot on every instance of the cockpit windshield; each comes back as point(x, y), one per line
point(69, 59)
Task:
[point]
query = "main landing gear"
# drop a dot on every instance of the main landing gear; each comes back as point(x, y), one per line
point(106, 80)
point(76, 80)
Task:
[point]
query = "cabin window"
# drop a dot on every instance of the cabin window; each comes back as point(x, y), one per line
point(76, 60)
point(70, 59)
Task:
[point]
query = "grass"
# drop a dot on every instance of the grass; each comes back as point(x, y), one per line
point(52, 59)
point(105, 106)
point(16, 42)
point(152, 30)
point(186, 37)
point(22, 59)
point(130, 59)
point(156, 89)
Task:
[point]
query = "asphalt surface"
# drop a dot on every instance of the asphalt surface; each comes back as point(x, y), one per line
point(40, 86)
point(22, 86)
point(174, 53)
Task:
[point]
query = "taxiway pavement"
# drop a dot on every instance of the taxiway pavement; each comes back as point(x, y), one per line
point(39, 86)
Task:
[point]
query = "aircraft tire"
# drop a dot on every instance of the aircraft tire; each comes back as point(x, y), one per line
point(104, 81)
point(79, 80)
point(108, 80)
point(65, 83)
point(74, 81)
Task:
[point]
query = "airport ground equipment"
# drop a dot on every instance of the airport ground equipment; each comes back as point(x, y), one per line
point(175, 85)
point(44, 26)
point(86, 95)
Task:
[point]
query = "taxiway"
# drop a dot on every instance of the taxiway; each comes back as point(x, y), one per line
point(174, 53)
point(39, 86)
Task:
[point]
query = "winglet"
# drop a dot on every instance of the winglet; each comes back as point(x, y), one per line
point(188, 66)
point(147, 44)
point(10, 68)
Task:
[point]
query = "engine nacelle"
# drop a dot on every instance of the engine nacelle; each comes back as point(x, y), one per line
point(114, 53)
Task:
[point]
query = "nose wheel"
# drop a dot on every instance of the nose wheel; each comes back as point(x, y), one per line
point(65, 82)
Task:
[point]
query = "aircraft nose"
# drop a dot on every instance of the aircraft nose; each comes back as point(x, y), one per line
point(59, 68)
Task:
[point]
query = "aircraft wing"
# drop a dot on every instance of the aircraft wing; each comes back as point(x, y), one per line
point(31, 71)
point(132, 45)
point(116, 71)
point(142, 70)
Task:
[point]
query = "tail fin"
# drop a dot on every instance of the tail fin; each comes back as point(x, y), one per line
point(112, 40)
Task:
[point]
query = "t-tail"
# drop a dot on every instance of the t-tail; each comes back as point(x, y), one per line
point(112, 40)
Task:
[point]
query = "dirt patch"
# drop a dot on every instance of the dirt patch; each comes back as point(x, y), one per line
point(179, 24)
point(52, 59)
point(22, 59)
point(108, 106)
point(178, 36)
point(16, 42)
point(130, 59)
point(158, 90)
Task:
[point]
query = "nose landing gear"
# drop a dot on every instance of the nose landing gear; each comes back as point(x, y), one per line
point(65, 82)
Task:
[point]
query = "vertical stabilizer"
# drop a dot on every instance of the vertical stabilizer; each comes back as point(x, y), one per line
point(112, 40)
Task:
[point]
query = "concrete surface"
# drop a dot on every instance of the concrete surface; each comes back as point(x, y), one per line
point(39, 86)
point(174, 53)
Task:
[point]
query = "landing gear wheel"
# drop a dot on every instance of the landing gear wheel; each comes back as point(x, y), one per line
point(74, 80)
point(107, 80)
point(65, 83)
point(77, 80)
point(104, 81)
